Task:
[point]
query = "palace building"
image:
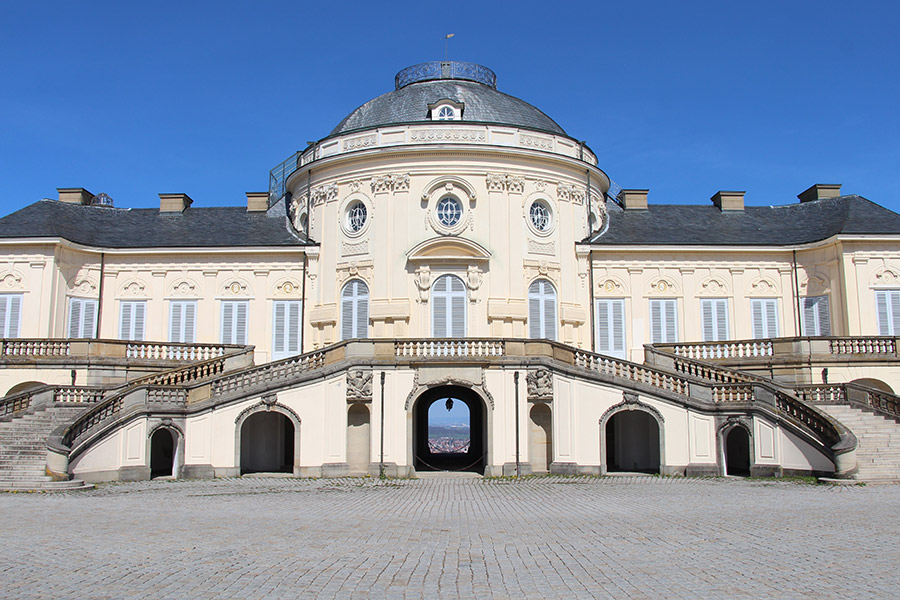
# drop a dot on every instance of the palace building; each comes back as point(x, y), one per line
point(447, 244)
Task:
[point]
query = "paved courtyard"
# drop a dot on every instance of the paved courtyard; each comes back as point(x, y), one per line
point(551, 537)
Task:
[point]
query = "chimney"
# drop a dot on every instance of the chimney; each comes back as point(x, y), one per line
point(257, 201)
point(633, 199)
point(174, 203)
point(820, 191)
point(728, 200)
point(75, 196)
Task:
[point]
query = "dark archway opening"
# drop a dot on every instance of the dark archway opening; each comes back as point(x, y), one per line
point(632, 442)
point(444, 442)
point(162, 453)
point(737, 452)
point(267, 443)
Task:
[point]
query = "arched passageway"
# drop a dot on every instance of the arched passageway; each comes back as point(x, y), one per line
point(162, 453)
point(540, 451)
point(875, 384)
point(449, 430)
point(632, 442)
point(358, 439)
point(737, 452)
point(267, 443)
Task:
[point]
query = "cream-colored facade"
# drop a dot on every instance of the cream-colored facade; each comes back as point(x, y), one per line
point(424, 256)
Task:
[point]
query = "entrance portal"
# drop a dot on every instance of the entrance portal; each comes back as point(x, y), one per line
point(162, 453)
point(267, 443)
point(737, 452)
point(449, 432)
point(632, 442)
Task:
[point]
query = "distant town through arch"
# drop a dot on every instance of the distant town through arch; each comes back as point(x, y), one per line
point(449, 432)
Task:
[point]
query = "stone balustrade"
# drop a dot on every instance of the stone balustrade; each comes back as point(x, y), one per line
point(854, 394)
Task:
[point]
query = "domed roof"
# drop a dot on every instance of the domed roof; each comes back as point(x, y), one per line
point(419, 86)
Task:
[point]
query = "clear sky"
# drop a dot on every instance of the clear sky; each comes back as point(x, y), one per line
point(684, 98)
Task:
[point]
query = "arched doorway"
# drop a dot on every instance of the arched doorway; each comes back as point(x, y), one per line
point(632, 442)
point(540, 449)
point(358, 440)
point(267, 443)
point(162, 453)
point(737, 452)
point(449, 430)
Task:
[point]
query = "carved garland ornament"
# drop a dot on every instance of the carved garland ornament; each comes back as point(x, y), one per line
point(499, 182)
point(540, 385)
point(395, 182)
point(630, 402)
point(359, 386)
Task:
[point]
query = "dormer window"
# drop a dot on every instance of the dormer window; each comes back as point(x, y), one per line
point(446, 110)
point(446, 113)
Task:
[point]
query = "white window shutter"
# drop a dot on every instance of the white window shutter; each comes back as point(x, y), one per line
point(240, 324)
point(715, 319)
point(439, 313)
point(707, 310)
point(74, 318)
point(656, 322)
point(549, 311)
point(771, 305)
point(810, 317)
point(610, 319)
point(823, 312)
point(354, 310)
point(602, 316)
point(279, 348)
point(448, 307)
point(362, 310)
point(759, 325)
point(227, 333)
point(721, 319)
point(140, 309)
point(176, 322)
point(10, 315)
point(126, 325)
point(293, 327)
point(618, 328)
point(190, 322)
point(534, 311)
point(5, 305)
point(671, 315)
point(89, 319)
point(894, 296)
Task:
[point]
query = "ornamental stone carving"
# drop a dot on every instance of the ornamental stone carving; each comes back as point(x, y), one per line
point(134, 289)
point(536, 247)
point(499, 182)
point(363, 141)
point(185, 289)
point(887, 277)
point(763, 286)
point(359, 385)
point(540, 385)
point(423, 283)
point(712, 286)
point(474, 279)
point(568, 192)
point(288, 289)
point(598, 212)
point(348, 249)
point(536, 141)
point(324, 193)
point(448, 135)
point(11, 281)
point(395, 182)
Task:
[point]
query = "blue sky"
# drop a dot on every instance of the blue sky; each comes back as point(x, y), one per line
point(457, 415)
point(137, 99)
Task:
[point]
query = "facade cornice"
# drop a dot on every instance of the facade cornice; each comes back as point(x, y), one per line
point(64, 243)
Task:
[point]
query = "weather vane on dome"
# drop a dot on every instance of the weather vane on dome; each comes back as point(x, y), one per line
point(447, 37)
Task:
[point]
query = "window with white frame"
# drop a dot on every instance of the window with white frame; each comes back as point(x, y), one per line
point(609, 319)
point(887, 306)
point(816, 316)
point(714, 319)
point(82, 318)
point(764, 312)
point(183, 321)
point(448, 307)
point(446, 113)
point(663, 321)
point(132, 314)
point(234, 321)
point(10, 315)
point(541, 310)
point(355, 310)
point(286, 328)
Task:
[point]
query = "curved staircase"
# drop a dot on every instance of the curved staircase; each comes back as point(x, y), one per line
point(23, 450)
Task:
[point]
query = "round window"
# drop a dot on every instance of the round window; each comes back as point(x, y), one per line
point(446, 114)
point(356, 217)
point(449, 211)
point(540, 216)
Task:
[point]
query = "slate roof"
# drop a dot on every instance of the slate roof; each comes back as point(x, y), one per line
point(146, 228)
point(483, 104)
point(800, 223)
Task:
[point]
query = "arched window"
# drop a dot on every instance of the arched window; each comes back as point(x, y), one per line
point(541, 310)
point(355, 310)
point(448, 307)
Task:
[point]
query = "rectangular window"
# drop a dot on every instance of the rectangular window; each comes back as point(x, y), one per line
point(887, 305)
point(610, 327)
point(816, 316)
point(234, 321)
point(131, 320)
point(715, 319)
point(183, 321)
point(82, 318)
point(765, 317)
point(10, 315)
point(286, 329)
point(663, 321)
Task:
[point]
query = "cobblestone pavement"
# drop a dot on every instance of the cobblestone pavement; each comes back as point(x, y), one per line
point(551, 537)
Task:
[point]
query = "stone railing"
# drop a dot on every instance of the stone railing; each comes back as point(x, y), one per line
point(61, 394)
point(74, 394)
point(166, 395)
point(275, 371)
point(159, 351)
point(439, 348)
point(863, 345)
point(726, 394)
point(11, 405)
point(632, 371)
point(717, 350)
point(883, 403)
point(104, 411)
point(813, 419)
point(33, 347)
